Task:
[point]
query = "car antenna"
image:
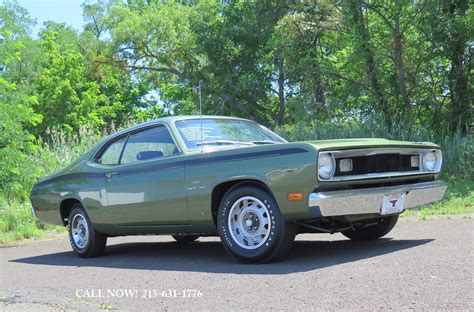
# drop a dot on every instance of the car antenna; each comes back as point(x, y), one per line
point(200, 111)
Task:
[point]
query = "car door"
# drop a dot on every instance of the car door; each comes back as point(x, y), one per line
point(146, 186)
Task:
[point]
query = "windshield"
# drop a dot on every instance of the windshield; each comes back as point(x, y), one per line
point(224, 132)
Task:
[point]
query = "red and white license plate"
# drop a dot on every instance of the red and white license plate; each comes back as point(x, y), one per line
point(393, 203)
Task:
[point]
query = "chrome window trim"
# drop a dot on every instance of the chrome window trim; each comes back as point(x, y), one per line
point(117, 136)
point(377, 151)
point(338, 154)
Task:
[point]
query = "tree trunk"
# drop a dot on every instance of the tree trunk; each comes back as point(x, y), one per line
point(318, 83)
point(361, 27)
point(318, 86)
point(281, 91)
point(461, 98)
point(399, 65)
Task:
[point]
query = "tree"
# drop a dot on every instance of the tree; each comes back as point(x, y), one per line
point(16, 113)
point(450, 24)
point(67, 97)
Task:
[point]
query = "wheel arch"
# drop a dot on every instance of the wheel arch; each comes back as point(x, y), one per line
point(219, 191)
point(65, 208)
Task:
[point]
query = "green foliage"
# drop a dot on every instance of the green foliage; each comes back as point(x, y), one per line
point(68, 98)
point(16, 220)
point(62, 148)
point(16, 172)
point(16, 112)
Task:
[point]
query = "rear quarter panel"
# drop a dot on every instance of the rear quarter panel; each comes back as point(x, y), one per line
point(84, 184)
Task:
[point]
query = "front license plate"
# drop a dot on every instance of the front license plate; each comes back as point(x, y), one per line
point(393, 203)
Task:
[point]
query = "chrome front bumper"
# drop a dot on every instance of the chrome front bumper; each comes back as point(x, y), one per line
point(367, 201)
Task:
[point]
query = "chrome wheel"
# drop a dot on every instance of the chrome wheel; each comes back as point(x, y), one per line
point(80, 231)
point(249, 222)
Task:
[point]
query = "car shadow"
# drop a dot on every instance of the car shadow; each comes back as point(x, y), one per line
point(210, 256)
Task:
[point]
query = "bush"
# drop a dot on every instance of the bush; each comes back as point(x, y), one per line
point(17, 222)
point(61, 149)
point(16, 143)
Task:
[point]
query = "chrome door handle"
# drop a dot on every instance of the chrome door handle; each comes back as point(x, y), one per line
point(111, 174)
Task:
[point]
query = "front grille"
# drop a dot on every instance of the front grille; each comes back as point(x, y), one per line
point(377, 164)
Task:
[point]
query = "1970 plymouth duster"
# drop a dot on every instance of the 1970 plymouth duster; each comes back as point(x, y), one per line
point(197, 176)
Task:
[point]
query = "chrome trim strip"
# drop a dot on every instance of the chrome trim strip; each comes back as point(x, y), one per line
point(125, 133)
point(379, 175)
point(338, 154)
point(366, 201)
point(376, 151)
point(33, 212)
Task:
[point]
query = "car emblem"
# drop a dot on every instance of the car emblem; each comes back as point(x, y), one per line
point(394, 202)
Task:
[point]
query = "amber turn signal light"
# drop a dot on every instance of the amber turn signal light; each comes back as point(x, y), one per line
point(295, 196)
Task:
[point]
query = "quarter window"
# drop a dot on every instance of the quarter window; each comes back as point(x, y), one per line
point(148, 144)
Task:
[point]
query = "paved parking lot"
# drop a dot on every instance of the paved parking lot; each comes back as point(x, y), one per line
point(419, 265)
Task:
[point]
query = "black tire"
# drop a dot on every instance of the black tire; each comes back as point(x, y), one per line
point(278, 240)
point(96, 242)
point(385, 225)
point(180, 238)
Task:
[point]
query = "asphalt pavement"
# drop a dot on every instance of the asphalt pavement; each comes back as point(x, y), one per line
point(421, 265)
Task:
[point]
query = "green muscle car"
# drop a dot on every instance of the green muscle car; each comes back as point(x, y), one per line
point(194, 176)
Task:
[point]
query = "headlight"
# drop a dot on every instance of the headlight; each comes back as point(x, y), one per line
point(432, 160)
point(326, 166)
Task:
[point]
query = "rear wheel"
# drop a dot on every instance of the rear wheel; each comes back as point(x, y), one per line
point(384, 226)
point(182, 238)
point(251, 226)
point(85, 241)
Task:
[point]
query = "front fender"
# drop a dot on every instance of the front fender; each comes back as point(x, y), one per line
point(281, 173)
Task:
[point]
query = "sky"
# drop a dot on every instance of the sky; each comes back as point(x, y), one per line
point(62, 11)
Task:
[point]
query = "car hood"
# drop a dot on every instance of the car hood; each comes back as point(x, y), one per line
point(363, 143)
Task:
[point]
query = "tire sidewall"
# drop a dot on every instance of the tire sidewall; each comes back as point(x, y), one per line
point(277, 224)
point(78, 209)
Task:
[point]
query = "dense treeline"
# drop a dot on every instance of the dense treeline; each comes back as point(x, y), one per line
point(399, 66)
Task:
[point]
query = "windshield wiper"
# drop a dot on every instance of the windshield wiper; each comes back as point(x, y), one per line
point(225, 142)
point(265, 142)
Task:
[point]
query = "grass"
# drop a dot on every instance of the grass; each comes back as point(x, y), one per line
point(459, 199)
point(17, 222)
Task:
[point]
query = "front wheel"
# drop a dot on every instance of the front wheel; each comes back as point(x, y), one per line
point(382, 228)
point(85, 240)
point(251, 226)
